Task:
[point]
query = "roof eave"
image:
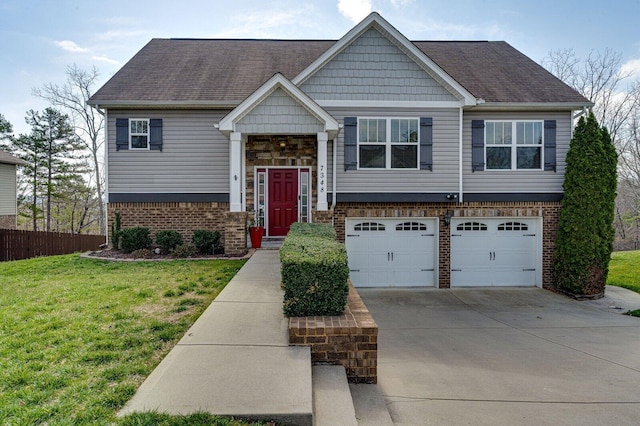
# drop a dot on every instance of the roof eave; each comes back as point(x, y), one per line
point(527, 106)
point(113, 104)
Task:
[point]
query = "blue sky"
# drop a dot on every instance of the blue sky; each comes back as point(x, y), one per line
point(39, 39)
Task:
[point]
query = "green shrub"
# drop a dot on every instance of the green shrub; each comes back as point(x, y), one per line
point(185, 250)
point(585, 232)
point(115, 232)
point(168, 240)
point(136, 238)
point(314, 272)
point(206, 241)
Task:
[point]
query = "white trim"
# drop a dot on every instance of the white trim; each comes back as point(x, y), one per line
point(235, 172)
point(528, 106)
point(278, 81)
point(514, 146)
point(148, 134)
point(374, 20)
point(322, 174)
point(328, 103)
point(460, 157)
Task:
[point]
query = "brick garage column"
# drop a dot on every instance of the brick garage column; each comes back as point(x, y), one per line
point(235, 233)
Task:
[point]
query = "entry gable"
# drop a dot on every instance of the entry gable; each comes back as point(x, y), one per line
point(280, 107)
point(375, 62)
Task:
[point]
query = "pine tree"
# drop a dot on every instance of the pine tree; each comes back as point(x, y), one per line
point(585, 232)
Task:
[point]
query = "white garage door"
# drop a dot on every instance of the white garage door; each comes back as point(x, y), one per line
point(496, 252)
point(392, 252)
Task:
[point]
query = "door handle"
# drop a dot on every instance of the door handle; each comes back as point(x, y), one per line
point(388, 256)
point(392, 256)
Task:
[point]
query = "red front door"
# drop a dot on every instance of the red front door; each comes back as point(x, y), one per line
point(283, 200)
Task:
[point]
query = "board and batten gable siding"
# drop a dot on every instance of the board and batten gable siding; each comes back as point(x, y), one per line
point(443, 178)
point(374, 69)
point(7, 189)
point(516, 181)
point(279, 113)
point(194, 156)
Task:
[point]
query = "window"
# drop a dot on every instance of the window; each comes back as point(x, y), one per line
point(472, 226)
point(513, 145)
point(388, 143)
point(513, 226)
point(369, 226)
point(139, 134)
point(411, 226)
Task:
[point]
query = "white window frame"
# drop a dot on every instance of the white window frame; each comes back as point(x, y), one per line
point(514, 145)
point(388, 144)
point(147, 134)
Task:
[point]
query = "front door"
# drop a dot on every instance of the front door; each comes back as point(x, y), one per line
point(283, 200)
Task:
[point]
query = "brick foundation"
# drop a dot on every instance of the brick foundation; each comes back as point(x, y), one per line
point(350, 340)
point(8, 222)
point(182, 217)
point(235, 231)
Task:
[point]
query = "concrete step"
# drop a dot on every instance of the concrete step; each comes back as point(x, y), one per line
point(332, 403)
point(370, 406)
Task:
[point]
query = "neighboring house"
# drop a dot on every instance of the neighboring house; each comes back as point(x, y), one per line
point(8, 190)
point(438, 163)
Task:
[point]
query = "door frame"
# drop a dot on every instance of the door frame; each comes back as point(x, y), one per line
point(258, 196)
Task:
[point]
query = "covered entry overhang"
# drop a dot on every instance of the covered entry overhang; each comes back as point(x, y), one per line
point(277, 108)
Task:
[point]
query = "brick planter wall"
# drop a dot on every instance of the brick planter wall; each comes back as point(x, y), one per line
point(350, 340)
point(235, 231)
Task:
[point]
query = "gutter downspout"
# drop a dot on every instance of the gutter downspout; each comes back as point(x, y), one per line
point(460, 146)
point(106, 169)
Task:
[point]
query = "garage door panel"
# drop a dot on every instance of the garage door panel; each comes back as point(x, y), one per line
point(495, 252)
point(391, 252)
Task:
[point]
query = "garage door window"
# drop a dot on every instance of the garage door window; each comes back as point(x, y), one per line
point(411, 226)
point(513, 226)
point(472, 226)
point(369, 226)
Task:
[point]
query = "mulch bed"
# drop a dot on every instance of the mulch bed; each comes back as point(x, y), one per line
point(112, 254)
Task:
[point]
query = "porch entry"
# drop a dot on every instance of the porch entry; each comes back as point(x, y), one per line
point(282, 197)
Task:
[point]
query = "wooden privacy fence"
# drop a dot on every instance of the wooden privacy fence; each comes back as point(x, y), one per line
point(16, 245)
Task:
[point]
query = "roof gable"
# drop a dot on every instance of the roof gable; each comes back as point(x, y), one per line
point(375, 21)
point(372, 68)
point(297, 101)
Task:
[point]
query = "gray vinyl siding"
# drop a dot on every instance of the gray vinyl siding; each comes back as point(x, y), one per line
point(279, 113)
point(372, 68)
point(7, 189)
point(194, 157)
point(443, 178)
point(517, 181)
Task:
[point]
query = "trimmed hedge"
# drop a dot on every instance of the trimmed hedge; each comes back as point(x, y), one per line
point(314, 271)
point(132, 239)
point(168, 240)
point(206, 241)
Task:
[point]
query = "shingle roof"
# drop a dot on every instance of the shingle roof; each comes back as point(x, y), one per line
point(6, 158)
point(217, 70)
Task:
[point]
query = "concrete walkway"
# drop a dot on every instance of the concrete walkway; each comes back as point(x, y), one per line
point(236, 359)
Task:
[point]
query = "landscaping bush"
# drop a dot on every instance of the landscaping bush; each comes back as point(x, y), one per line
point(136, 238)
point(185, 250)
point(314, 271)
point(115, 232)
point(168, 240)
point(206, 241)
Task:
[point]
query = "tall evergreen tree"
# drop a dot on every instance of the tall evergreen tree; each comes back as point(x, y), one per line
point(6, 129)
point(585, 232)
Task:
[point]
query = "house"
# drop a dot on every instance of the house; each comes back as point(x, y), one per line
point(438, 163)
point(8, 190)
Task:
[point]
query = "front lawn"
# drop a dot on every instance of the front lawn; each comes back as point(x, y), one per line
point(624, 270)
point(78, 336)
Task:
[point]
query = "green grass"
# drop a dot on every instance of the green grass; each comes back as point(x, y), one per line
point(624, 270)
point(78, 336)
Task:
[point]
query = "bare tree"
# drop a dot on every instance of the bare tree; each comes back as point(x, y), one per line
point(72, 96)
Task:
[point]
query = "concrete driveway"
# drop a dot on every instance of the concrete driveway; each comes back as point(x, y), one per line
point(506, 357)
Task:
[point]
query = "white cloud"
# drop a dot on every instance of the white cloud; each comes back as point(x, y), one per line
point(105, 59)
point(399, 4)
point(70, 46)
point(119, 34)
point(264, 24)
point(631, 68)
point(440, 30)
point(355, 10)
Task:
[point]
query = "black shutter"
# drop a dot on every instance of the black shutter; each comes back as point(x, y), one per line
point(122, 133)
point(350, 143)
point(477, 145)
point(155, 134)
point(550, 145)
point(426, 143)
